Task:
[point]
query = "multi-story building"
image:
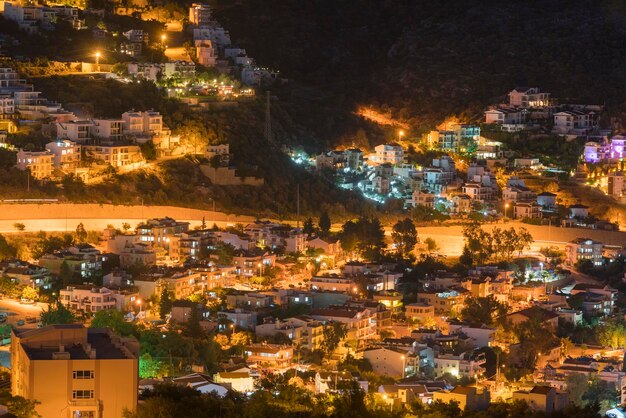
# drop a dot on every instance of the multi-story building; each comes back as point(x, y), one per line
point(529, 97)
point(73, 371)
point(38, 162)
point(205, 53)
point(465, 364)
point(468, 398)
point(387, 153)
point(445, 301)
point(509, 119)
point(139, 124)
point(527, 210)
point(79, 131)
point(158, 231)
point(87, 298)
point(200, 14)
point(252, 263)
point(478, 192)
point(458, 138)
point(196, 280)
point(82, 260)
point(66, 155)
point(109, 129)
point(575, 121)
point(273, 235)
point(215, 33)
point(419, 311)
point(582, 249)
point(333, 283)
point(115, 155)
point(360, 322)
point(269, 355)
point(543, 398)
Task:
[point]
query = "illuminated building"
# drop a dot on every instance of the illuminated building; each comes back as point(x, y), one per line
point(75, 372)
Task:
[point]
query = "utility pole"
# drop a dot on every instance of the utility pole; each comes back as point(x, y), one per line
point(298, 206)
point(268, 119)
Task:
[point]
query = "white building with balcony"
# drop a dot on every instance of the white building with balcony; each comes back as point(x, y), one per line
point(87, 298)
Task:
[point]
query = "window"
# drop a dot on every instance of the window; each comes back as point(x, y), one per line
point(84, 414)
point(83, 374)
point(82, 394)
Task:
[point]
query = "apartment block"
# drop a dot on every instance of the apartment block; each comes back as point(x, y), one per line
point(74, 371)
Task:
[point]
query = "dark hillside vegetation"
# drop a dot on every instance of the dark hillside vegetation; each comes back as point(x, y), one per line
point(426, 60)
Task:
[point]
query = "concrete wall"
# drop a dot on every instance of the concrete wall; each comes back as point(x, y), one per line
point(65, 216)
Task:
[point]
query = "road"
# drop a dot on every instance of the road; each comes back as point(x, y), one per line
point(18, 311)
point(65, 216)
point(450, 238)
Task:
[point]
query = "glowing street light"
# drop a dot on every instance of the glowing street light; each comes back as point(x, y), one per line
point(98, 61)
point(506, 206)
point(400, 134)
point(139, 302)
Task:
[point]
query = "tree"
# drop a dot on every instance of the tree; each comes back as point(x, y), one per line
point(6, 250)
point(554, 256)
point(484, 310)
point(30, 293)
point(20, 407)
point(334, 333)
point(19, 226)
point(113, 319)
point(308, 227)
point(66, 274)
point(165, 304)
point(193, 328)
point(611, 333)
point(431, 245)
point(324, 223)
point(577, 384)
point(81, 233)
point(364, 236)
point(57, 314)
point(125, 226)
point(404, 236)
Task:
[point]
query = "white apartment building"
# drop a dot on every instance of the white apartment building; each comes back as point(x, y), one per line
point(7, 105)
point(387, 153)
point(115, 155)
point(214, 33)
point(87, 298)
point(510, 119)
point(575, 121)
point(149, 122)
point(38, 162)
point(582, 249)
point(461, 365)
point(65, 154)
point(526, 97)
point(110, 129)
point(75, 130)
point(478, 192)
point(360, 323)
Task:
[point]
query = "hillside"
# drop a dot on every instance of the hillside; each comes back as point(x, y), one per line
point(424, 61)
point(180, 182)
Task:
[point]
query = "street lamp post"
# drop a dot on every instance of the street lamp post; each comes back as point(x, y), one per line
point(139, 303)
point(98, 61)
point(403, 366)
point(506, 207)
point(260, 266)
